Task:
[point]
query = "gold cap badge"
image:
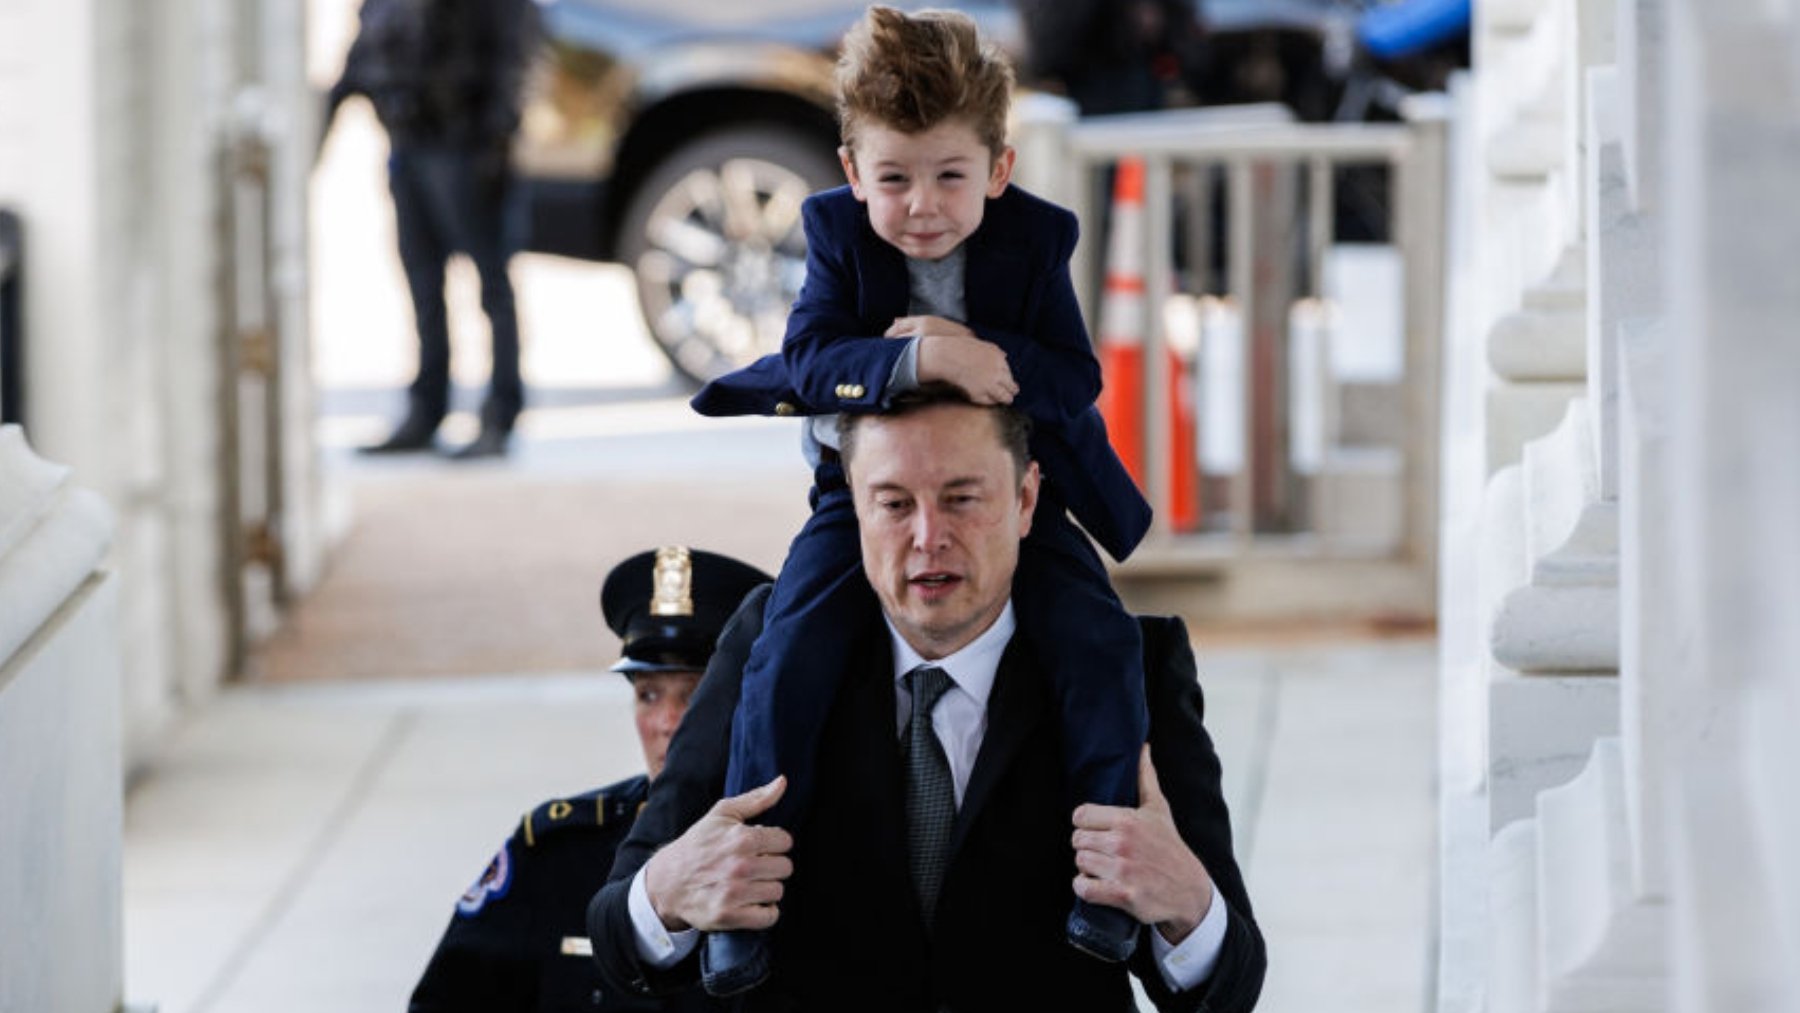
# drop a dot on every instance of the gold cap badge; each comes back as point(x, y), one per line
point(672, 583)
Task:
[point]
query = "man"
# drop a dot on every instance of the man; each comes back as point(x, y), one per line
point(517, 941)
point(939, 787)
point(446, 78)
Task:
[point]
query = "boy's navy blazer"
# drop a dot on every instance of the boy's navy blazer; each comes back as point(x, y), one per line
point(1017, 294)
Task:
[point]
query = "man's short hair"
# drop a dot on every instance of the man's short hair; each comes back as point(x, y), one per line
point(911, 72)
point(1011, 425)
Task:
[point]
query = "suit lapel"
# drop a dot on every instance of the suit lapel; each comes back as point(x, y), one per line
point(994, 279)
point(885, 296)
point(870, 704)
point(1015, 707)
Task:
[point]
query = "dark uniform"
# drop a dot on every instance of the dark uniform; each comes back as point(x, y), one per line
point(518, 939)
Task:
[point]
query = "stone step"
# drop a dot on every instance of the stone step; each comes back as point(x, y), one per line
point(1541, 727)
point(1520, 412)
point(1572, 535)
point(1534, 626)
point(1601, 947)
point(1528, 142)
point(1555, 608)
point(1565, 288)
point(1536, 345)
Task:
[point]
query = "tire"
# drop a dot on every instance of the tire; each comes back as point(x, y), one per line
point(715, 291)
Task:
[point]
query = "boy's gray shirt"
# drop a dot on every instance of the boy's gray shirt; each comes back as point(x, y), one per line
point(935, 288)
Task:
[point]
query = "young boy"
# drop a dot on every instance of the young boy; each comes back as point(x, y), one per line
point(929, 233)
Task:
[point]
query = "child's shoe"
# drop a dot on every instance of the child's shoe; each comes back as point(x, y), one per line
point(1104, 932)
point(735, 961)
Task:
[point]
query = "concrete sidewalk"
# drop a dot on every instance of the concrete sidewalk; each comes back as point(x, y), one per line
point(299, 847)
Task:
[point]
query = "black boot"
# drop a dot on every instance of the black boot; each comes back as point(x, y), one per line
point(1104, 932)
point(416, 432)
point(491, 443)
point(733, 962)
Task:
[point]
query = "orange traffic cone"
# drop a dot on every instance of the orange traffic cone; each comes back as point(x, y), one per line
point(1181, 331)
point(1122, 318)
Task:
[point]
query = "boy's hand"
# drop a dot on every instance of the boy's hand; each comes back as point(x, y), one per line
point(918, 327)
point(974, 365)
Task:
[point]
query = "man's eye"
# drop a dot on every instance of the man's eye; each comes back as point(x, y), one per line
point(891, 180)
point(952, 175)
point(891, 505)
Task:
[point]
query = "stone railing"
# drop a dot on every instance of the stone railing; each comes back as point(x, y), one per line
point(61, 789)
point(1622, 475)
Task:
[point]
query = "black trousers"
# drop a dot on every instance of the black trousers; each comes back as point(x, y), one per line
point(452, 199)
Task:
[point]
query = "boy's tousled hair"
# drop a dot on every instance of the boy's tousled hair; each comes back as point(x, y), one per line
point(911, 72)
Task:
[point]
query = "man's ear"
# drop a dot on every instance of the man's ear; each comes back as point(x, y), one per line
point(1001, 172)
point(1028, 497)
point(847, 159)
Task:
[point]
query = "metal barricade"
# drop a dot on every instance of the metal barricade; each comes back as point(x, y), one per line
point(1278, 185)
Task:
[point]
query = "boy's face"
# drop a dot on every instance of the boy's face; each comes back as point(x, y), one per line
point(926, 192)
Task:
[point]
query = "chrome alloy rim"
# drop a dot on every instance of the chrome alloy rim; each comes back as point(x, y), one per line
point(725, 259)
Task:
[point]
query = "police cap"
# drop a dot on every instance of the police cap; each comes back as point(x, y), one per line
point(669, 605)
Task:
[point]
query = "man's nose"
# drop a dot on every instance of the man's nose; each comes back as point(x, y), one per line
point(928, 529)
point(924, 200)
point(667, 717)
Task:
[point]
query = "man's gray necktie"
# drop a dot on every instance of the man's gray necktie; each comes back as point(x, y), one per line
point(930, 794)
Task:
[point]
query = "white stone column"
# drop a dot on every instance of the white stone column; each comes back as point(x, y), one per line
point(61, 786)
point(1733, 119)
point(117, 180)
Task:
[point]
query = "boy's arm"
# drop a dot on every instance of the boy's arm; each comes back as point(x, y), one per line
point(831, 366)
point(1052, 359)
point(1054, 365)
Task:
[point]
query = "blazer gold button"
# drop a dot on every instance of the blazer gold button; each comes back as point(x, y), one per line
point(783, 408)
point(854, 390)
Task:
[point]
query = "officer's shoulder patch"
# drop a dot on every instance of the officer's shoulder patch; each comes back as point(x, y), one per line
point(585, 811)
point(495, 880)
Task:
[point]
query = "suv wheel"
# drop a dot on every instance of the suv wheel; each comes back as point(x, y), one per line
point(714, 237)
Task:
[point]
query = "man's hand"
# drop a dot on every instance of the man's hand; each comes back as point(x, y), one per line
point(976, 366)
point(723, 873)
point(1135, 860)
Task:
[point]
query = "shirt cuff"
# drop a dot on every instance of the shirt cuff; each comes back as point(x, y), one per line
point(656, 945)
point(1185, 966)
point(905, 374)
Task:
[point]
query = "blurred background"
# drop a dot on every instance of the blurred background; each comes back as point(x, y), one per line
point(1444, 338)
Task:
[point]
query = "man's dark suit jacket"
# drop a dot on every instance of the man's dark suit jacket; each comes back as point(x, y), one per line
point(850, 934)
point(1017, 294)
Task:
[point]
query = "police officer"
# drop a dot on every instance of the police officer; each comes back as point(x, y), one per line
point(518, 940)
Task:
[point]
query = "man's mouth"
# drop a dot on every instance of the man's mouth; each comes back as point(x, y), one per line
point(934, 583)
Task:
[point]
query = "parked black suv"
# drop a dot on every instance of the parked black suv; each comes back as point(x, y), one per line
point(680, 136)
